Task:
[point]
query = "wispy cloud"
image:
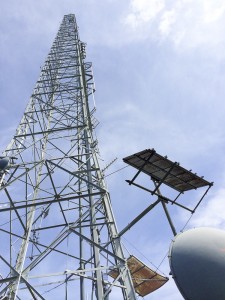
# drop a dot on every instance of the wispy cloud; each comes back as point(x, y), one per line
point(186, 24)
point(213, 213)
point(143, 11)
point(167, 21)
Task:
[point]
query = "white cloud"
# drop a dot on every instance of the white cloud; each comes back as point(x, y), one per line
point(213, 11)
point(143, 11)
point(186, 24)
point(213, 213)
point(167, 20)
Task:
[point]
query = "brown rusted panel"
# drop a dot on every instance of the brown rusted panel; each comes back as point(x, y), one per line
point(145, 280)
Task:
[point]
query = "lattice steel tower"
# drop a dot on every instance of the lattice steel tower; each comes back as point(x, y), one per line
point(58, 234)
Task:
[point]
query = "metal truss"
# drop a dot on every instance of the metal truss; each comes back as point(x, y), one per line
point(58, 234)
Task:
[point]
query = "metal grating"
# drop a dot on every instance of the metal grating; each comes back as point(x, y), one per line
point(165, 171)
point(145, 280)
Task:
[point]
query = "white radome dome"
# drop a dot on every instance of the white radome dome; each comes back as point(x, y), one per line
point(197, 263)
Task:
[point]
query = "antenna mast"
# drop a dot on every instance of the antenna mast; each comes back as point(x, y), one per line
point(59, 238)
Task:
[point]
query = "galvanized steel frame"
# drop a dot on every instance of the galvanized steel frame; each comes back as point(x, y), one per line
point(55, 209)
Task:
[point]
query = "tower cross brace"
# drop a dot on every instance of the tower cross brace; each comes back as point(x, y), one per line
point(58, 233)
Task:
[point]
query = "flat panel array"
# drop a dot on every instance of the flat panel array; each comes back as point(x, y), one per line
point(164, 170)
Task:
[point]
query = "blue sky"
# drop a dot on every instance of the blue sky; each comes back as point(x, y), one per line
point(159, 70)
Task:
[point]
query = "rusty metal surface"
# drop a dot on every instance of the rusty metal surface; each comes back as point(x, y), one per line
point(145, 280)
point(163, 170)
